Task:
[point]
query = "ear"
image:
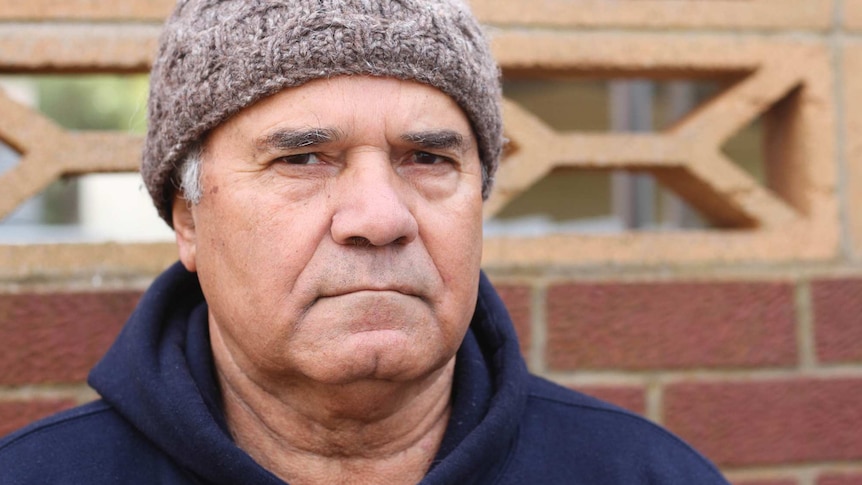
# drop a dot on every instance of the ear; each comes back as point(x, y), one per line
point(184, 228)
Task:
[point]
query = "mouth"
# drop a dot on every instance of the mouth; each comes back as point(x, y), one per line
point(352, 291)
point(380, 290)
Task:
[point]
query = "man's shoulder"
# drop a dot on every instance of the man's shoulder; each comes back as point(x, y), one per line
point(56, 428)
point(555, 398)
point(86, 444)
point(590, 438)
point(573, 410)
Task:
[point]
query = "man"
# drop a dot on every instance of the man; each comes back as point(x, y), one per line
point(324, 163)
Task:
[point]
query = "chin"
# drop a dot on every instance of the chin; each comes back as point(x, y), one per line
point(381, 355)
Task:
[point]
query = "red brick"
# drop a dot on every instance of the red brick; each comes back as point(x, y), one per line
point(629, 397)
point(840, 479)
point(58, 337)
point(671, 325)
point(17, 414)
point(771, 422)
point(518, 300)
point(838, 320)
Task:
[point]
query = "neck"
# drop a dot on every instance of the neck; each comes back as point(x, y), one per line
point(363, 432)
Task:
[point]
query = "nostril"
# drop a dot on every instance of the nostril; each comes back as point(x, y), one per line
point(359, 241)
point(364, 242)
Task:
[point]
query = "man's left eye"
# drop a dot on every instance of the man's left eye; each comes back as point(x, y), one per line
point(300, 159)
point(425, 158)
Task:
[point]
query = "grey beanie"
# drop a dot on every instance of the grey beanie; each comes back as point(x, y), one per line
point(217, 57)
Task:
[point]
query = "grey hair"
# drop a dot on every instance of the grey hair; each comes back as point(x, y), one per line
point(188, 175)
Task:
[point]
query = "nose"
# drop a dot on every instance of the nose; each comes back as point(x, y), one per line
point(371, 207)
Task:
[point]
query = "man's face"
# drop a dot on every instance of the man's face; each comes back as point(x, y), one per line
point(339, 235)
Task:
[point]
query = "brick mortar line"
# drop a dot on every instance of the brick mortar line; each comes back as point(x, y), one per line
point(808, 477)
point(80, 393)
point(538, 327)
point(804, 471)
point(89, 280)
point(752, 272)
point(668, 377)
point(97, 280)
point(602, 380)
point(654, 402)
point(84, 287)
point(805, 331)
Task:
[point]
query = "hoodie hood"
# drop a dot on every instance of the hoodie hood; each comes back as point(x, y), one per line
point(159, 376)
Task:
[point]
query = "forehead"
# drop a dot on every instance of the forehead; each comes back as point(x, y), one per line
point(353, 106)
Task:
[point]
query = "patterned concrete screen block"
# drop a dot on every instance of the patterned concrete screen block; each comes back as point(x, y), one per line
point(730, 14)
point(65, 10)
point(724, 14)
point(853, 113)
point(852, 14)
point(62, 260)
point(77, 48)
point(72, 48)
point(787, 82)
point(792, 217)
point(68, 153)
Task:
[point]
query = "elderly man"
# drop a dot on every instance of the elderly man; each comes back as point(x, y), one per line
point(324, 163)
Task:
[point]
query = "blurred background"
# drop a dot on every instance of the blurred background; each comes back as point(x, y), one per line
point(88, 208)
point(728, 309)
point(114, 207)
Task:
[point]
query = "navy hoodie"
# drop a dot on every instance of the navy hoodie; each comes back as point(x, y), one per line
point(159, 419)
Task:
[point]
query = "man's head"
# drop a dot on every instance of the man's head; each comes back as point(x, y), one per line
point(345, 149)
point(218, 57)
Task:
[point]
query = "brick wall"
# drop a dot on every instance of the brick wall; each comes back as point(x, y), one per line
point(48, 343)
point(760, 373)
point(745, 340)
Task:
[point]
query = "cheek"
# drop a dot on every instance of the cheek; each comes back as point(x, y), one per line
point(454, 241)
point(252, 248)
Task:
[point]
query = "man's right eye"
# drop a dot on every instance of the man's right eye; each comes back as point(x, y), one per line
point(299, 159)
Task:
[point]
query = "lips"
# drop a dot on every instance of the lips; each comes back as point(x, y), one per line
point(409, 291)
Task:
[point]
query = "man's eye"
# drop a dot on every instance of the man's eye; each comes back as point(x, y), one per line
point(425, 158)
point(300, 159)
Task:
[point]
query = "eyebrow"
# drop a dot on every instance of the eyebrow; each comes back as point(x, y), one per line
point(437, 140)
point(304, 138)
point(293, 139)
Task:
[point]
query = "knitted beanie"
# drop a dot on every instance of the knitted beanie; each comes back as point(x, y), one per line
point(217, 57)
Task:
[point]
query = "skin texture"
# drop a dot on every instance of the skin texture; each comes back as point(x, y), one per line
point(338, 244)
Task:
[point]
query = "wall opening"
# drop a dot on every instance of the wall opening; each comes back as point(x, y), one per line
point(92, 207)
